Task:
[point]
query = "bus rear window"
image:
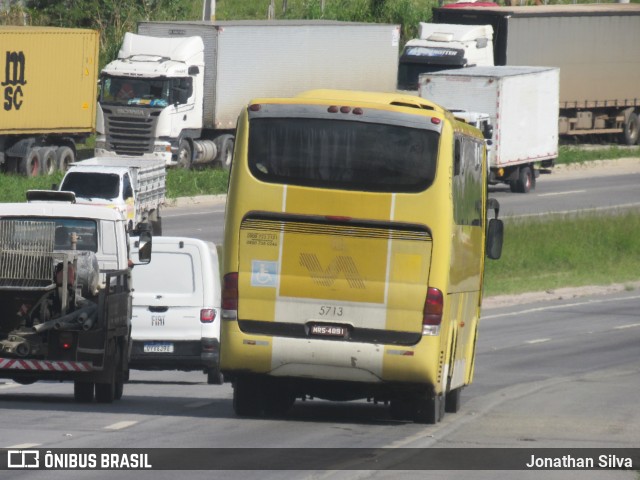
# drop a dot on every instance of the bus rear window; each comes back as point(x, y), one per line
point(344, 155)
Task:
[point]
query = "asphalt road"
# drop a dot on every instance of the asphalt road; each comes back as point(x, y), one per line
point(561, 375)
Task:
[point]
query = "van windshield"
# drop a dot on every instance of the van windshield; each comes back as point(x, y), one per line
point(349, 155)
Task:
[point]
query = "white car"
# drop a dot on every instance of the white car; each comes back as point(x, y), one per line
point(176, 308)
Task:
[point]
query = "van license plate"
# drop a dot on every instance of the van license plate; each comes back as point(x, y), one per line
point(158, 347)
point(328, 330)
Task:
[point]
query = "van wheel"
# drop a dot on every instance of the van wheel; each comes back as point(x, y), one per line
point(48, 161)
point(83, 391)
point(247, 398)
point(214, 377)
point(30, 164)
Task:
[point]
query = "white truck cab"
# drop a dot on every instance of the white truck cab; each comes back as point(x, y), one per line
point(131, 186)
point(151, 92)
point(101, 230)
point(442, 47)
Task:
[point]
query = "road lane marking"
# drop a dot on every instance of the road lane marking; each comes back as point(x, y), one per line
point(631, 325)
point(21, 446)
point(120, 425)
point(539, 340)
point(555, 194)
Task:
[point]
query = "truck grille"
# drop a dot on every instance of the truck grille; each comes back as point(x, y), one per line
point(26, 258)
point(130, 131)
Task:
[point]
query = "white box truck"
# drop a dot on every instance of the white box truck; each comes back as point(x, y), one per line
point(177, 88)
point(522, 105)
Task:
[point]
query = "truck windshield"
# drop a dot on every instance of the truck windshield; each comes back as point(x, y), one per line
point(26, 232)
point(345, 155)
point(148, 92)
point(92, 184)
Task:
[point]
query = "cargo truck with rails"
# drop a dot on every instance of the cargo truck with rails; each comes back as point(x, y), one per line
point(521, 128)
point(594, 45)
point(132, 186)
point(48, 79)
point(65, 295)
point(176, 89)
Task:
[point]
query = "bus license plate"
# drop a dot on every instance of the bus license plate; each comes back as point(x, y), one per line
point(158, 347)
point(328, 330)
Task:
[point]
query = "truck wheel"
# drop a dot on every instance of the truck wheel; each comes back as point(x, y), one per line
point(106, 392)
point(48, 161)
point(156, 227)
point(632, 129)
point(526, 180)
point(247, 398)
point(30, 164)
point(64, 157)
point(83, 391)
point(226, 152)
point(184, 155)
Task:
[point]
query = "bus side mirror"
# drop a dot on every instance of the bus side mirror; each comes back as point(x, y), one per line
point(495, 236)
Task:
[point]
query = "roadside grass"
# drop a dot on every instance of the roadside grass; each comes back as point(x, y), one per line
point(582, 154)
point(566, 251)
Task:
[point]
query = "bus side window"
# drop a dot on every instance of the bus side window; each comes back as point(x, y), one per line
point(457, 156)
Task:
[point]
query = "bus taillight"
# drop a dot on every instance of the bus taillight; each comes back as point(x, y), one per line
point(432, 313)
point(230, 296)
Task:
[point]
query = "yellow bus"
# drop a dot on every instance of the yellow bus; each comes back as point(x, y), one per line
point(355, 235)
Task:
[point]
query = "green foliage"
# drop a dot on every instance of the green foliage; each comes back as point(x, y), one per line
point(561, 251)
point(568, 154)
point(185, 183)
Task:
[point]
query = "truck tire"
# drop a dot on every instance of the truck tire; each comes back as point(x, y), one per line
point(83, 391)
point(106, 391)
point(48, 161)
point(226, 151)
point(30, 163)
point(632, 129)
point(185, 157)
point(64, 157)
point(526, 180)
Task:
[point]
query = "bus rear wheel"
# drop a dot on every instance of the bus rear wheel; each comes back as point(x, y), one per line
point(247, 398)
point(428, 408)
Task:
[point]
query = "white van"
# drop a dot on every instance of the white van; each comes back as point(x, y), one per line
point(176, 308)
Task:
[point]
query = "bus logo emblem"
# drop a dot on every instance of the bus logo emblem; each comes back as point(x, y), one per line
point(326, 277)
